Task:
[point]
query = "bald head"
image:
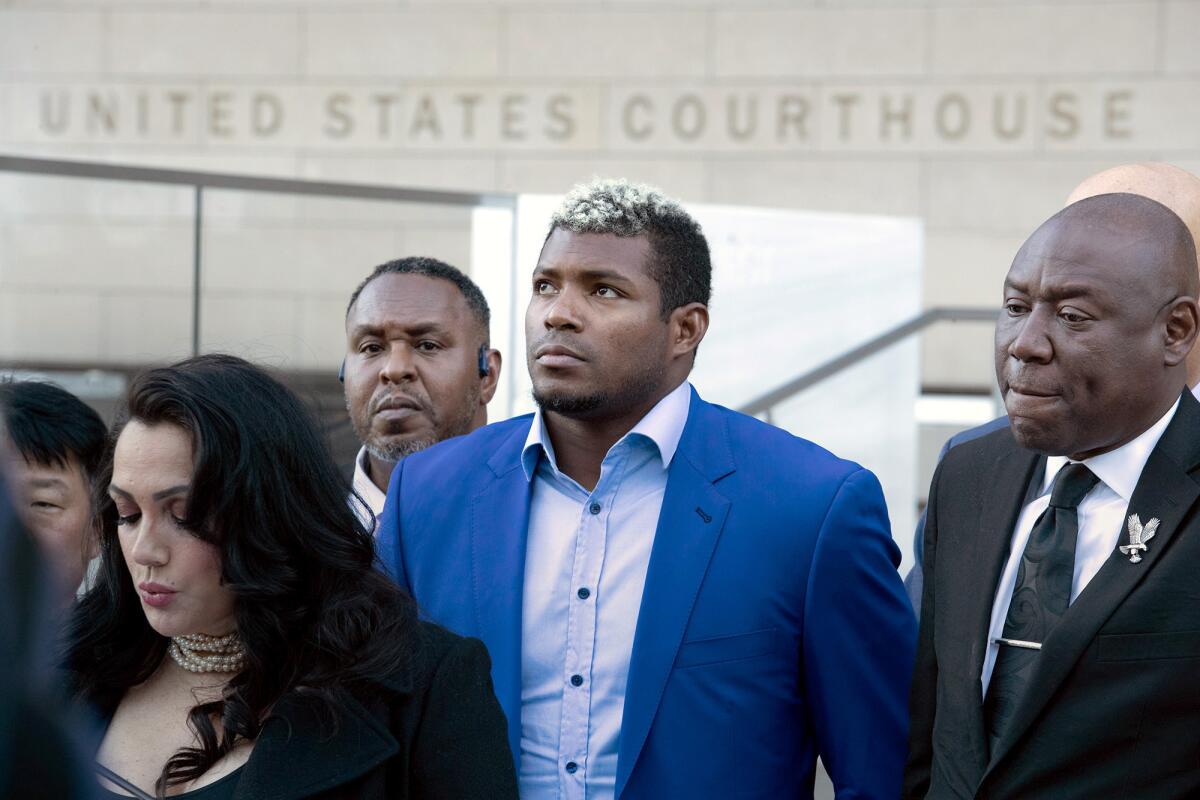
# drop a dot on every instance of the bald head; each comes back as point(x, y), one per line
point(1175, 188)
point(1142, 241)
point(1099, 314)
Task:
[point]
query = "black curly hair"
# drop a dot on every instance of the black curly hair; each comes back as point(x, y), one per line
point(311, 609)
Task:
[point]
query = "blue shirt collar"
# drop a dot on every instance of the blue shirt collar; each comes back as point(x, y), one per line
point(662, 426)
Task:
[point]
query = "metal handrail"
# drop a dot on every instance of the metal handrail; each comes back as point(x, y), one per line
point(764, 403)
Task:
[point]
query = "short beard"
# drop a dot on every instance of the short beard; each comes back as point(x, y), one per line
point(599, 405)
point(580, 406)
point(394, 453)
point(397, 452)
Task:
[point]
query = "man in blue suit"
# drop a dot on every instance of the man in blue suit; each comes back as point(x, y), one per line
point(679, 600)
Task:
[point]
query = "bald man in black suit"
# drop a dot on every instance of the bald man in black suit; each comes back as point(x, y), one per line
point(1059, 641)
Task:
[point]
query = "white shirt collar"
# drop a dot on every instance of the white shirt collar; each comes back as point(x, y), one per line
point(1118, 469)
point(662, 426)
point(364, 486)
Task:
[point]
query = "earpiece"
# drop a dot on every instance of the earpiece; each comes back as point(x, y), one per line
point(342, 372)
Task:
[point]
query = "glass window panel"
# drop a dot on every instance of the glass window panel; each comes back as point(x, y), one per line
point(93, 273)
point(278, 270)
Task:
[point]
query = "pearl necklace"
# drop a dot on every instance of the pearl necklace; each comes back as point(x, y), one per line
point(199, 652)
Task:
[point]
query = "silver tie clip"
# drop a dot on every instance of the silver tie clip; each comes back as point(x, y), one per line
point(1017, 643)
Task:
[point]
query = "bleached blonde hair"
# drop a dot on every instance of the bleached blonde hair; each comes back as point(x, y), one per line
point(679, 258)
point(618, 206)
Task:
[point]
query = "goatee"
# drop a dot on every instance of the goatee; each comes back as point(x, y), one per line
point(571, 405)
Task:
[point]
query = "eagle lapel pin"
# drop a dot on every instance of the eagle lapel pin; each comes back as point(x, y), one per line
point(1138, 536)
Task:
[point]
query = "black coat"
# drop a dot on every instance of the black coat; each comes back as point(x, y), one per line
point(39, 752)
point(1113, 707)
point(434, 731)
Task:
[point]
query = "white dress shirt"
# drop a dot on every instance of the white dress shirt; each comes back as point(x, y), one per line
point(1101, 522)
point(586, 558)
point(368, 491)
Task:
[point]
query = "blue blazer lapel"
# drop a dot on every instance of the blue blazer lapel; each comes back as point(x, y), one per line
point(689, 525)
point(499, 521)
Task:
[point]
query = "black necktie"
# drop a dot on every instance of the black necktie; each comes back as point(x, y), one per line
point(1040, 597)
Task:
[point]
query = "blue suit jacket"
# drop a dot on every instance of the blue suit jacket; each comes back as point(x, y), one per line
point(773, 626)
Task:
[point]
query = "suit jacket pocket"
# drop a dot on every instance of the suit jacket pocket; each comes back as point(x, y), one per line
point(717, 649)
point(1146, 646)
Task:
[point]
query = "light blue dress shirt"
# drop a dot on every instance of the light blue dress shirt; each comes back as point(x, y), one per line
point(585, 567)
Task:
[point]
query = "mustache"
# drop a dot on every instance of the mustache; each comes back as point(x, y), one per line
point(396, 400)
point(558, 340)
point(1025, 383)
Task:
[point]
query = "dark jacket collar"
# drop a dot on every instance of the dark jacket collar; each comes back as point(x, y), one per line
point(307, 747)
point(1166, 489)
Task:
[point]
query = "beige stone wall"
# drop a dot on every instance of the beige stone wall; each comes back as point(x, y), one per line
point(977, 117)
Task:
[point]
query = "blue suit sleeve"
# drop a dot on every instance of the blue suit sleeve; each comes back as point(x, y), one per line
point(859, 643)
point(387, 542)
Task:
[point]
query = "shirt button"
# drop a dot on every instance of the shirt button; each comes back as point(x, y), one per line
point(595, 509)
point(577, 680)
point(571, 767)
point(583, 593)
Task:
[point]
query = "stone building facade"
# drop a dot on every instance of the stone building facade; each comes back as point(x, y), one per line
point(976, 116)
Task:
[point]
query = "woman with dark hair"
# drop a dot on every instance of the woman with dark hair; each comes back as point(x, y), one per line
point(240, 642)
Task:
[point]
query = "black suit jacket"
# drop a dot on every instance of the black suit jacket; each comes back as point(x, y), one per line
point(1113, 708)
point(42, 748)
point(435, 730)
